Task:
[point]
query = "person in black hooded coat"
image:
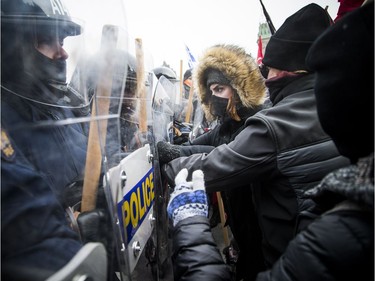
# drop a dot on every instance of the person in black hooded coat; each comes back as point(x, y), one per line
point(339, 245)
point(228, 70)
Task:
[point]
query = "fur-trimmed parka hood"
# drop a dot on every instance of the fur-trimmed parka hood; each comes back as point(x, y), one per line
point(238, 67)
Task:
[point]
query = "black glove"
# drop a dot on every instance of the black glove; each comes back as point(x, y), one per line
point(167, 152)
point(72, 195)
point(93, 226)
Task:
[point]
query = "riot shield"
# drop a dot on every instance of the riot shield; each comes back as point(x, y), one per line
point(200, 125)
point(131, 182)
point(184, 116)
point(163, 106)
point(111, 72)
point(128, 181)
point(163, 102)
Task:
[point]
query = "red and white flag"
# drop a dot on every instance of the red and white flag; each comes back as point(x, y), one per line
point(260, 51)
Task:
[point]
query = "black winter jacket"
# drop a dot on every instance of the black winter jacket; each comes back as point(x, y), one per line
point(195, 253)
point(237, 202)
point(221, 134)
point(283, 151)
point(339, 245)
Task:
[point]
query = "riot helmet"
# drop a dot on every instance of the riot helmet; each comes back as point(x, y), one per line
point(165, 71)
point(27, 29)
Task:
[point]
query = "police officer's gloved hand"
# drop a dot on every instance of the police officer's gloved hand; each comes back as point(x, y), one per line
point(167, 152)
point(72, 195)
point(188, 198)
point(93, 226)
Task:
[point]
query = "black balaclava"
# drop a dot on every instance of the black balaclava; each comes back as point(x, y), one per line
point(49, 71)
point(24, 66)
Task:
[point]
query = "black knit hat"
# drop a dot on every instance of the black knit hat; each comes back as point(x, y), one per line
point(288, 47)
point(343, 59)
point(215, 76)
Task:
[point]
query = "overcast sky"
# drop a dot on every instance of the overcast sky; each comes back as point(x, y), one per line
point(165, 26)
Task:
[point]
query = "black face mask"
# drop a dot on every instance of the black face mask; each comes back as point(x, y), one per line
point(218, 107)
point(25, 59)
point(277, 83)
point(46, 69)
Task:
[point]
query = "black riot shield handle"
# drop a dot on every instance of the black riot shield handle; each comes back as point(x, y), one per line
point(98, 126)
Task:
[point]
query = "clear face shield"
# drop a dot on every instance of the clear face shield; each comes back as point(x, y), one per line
point(199, 124)
point(163, 107)
point(186, 113)
point(130, 183)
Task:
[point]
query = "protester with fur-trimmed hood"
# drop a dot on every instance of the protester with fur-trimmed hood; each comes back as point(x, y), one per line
point(222, 69)
point(229, 65)
point(230, 88)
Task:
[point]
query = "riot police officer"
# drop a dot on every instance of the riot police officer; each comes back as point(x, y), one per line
point(39, 111)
